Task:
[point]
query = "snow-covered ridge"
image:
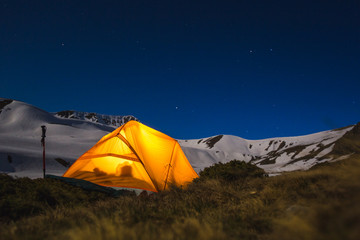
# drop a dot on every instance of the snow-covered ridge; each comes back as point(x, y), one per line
point(275, 155)
point(71, 133)
point(111, 120)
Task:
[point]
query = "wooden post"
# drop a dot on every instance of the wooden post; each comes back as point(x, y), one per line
point(43, 128)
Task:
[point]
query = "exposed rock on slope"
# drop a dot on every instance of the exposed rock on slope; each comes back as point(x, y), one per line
point(115, 121)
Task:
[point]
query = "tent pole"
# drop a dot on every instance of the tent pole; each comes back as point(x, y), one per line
point(167, 175)
point(122, 138)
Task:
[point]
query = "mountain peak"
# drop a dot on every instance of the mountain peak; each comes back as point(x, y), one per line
point(111, 120)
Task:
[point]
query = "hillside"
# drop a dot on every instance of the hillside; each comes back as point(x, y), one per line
point(275, 155)
point(20, 134)
point(318, 204)
point(71, 133)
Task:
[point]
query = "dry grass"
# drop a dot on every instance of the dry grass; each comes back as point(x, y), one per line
point(322, 203)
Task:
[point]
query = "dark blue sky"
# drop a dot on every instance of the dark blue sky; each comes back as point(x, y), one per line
point(192, 69)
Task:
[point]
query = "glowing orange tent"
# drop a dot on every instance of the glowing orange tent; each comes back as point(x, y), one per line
point(134, 156)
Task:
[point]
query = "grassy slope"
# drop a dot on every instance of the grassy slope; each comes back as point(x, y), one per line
point(322, 203)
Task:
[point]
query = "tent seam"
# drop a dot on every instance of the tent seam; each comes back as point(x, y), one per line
point(122, 138)
point(172, 154)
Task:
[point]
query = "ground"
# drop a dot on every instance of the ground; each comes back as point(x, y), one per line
point(321, 203)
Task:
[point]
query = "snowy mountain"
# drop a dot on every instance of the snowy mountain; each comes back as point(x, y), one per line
point(67, 138)
point(71, 133)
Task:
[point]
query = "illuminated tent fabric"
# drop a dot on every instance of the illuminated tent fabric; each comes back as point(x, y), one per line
point(134, 156)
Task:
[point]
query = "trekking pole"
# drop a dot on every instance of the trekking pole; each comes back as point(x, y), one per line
point(43, 128)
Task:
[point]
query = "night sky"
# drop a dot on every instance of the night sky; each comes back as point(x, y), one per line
point(191, 69)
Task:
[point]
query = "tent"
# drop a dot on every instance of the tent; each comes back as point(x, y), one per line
point(134, 156)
